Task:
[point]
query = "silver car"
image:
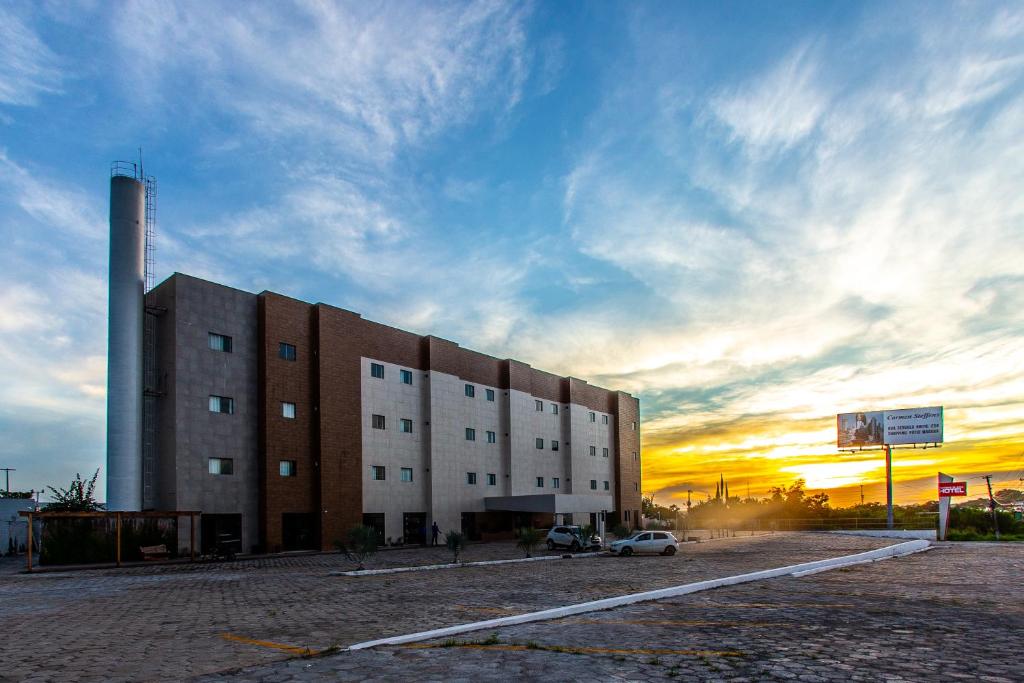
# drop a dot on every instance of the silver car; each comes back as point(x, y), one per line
point(662, 542)
point(571, 537)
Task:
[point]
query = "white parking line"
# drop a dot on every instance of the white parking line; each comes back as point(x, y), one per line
point(898, 550)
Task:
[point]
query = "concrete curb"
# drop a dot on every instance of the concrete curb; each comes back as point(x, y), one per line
point(452, 565)
point(898, 550)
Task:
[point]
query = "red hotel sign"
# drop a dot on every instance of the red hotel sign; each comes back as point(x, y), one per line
point(953, 488)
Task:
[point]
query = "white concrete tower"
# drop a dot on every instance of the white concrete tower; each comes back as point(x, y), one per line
point(125, 339)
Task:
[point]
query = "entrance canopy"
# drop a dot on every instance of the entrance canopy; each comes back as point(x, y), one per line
point(554, 503)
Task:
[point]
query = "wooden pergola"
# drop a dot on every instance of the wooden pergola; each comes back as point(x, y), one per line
point(118, 517)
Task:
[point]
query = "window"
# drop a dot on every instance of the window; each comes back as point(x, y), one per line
point(540, 482)
point(636, 456)
point(540, 444)
point(377, 422)
point(593, 450)
point(222, 404)
point(490, 394)
point(660, 537)
point(220, 342)
point(634, 426)
point(287, 468)
point(470, 434)
point(636, 486)
point(405, 425)
point(222, 466)
point(471, 478)
point(470, 391)
point(406, 474)
point(377, 472)
point(539, 406)
point(606, 486)
point(286, 351)
point(627, 515)
point(604, 419)
point(377, 370)
point(556, 482)
point(593, 417)
point(604, 452)
point(554, 445)
point(593, 484)
point(492, 437)
point(288, 410)
point(554, 409)
point(492, 479)
point(405, 376)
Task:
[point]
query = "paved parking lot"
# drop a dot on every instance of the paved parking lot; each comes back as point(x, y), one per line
point(174, 622)
point(952, 613)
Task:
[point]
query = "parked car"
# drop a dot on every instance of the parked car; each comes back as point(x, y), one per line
point(571, 537)
point(646, 542)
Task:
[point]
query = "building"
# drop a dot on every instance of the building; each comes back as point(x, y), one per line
point(286, 423)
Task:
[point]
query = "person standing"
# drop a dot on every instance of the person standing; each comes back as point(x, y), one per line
point(435, 531)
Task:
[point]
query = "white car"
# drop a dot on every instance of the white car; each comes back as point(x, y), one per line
point(646, 542)
point(571, 537)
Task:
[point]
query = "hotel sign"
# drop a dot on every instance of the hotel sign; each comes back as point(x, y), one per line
point(953, 488)
point(889, 427)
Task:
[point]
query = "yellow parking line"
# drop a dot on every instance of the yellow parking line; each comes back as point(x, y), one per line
point(576, 650)
point(293, 649)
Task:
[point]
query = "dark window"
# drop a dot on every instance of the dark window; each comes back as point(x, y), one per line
point(377, 472)
point(593, 450)
point(492, 479)
point(378, 421)
point(490, 394)
point(604, 419)
point(286, 351)
point(540, 443)
point(406, 376)
point(470, 390)
point(406, 474)
point(377, 370)
point(593, 484)
point(554, 408)
point(220, 342)
point(222, 404)
point(593, 417)
point(471, 478)
point(539, 405)
point(221, 466)
point(604, 452)
point(540, 482)
point(660, 537)
point(554, 445)
point(492, 437)
point(405, 426)
point(470, 434)
point(606, 486)
point(288, 468)
point(555, 482)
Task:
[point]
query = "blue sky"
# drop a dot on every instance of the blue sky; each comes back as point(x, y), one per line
point(753, 215)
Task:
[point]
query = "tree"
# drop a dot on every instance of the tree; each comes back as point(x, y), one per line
point(360, 544)
point(528, 540)
point(78, 497)
point(455, 541)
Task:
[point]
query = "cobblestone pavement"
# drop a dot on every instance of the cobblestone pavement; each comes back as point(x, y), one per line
point(176, 621)
point(954, 612)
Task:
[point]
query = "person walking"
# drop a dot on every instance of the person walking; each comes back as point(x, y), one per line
point(435, 531)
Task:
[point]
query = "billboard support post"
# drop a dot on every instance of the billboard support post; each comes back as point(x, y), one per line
point(888, 487)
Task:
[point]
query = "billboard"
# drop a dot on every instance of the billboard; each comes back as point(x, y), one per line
point(889, 427)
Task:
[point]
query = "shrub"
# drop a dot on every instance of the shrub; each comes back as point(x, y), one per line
point(360, 544)
point(528, 540)
point(620, 531)
point(455, 541)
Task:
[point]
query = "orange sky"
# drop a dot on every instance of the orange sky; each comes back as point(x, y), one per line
point(759, 454)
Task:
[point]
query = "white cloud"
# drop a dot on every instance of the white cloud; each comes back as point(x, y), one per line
point(368, 80)
point(28, 68)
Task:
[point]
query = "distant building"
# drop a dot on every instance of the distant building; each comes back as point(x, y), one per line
point(286, 423)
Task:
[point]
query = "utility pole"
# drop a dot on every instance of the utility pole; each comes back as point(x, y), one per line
point(888, 487)
point(862, 494)
point(7, 471)
point(992, 505)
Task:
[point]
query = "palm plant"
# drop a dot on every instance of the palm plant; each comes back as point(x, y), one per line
point(528, 540)
point(360, 544)
point(455, 541)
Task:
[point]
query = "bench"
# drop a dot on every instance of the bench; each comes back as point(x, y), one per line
point(154, 552)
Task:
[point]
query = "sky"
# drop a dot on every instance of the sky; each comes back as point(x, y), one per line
point(753, 216)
